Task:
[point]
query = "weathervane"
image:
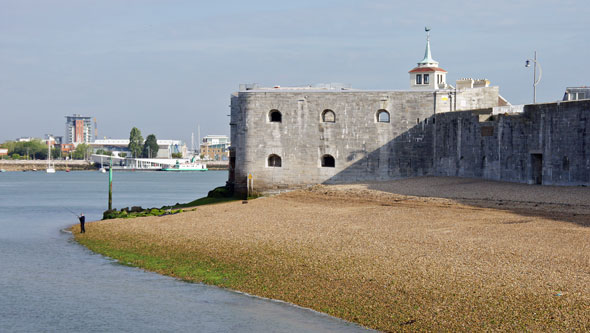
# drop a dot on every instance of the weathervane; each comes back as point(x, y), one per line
point(427, 29)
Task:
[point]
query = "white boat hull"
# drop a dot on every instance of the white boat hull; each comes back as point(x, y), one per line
point(184, 169)
point(187, 166)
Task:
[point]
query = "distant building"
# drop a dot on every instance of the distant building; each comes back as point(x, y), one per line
point(216, 139)
point(50, 140)
point(57, 142)
point(80, 129)
point(218, 152)
point(165, 147)
point(66, 148)
point(26, 139)
point(576, 93)
point(215, 147)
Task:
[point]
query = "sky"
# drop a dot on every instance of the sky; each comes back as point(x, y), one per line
point(168, 66)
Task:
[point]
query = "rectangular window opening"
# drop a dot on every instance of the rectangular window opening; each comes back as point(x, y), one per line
point(426, 78)
point(419, 79)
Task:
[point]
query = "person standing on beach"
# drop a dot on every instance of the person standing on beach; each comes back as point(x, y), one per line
point(82, 219)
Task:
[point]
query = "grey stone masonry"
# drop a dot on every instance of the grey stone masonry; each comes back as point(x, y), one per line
point(546, 144)
point(362, 148)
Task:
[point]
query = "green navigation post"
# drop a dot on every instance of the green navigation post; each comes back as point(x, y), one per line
point(111, 184)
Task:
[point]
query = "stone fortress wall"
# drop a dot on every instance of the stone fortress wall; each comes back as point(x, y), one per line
point(281, 139)
point(545, 143)
point(363, 148)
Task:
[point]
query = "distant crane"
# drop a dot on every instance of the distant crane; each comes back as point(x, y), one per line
point(199, 137)
point(193, 142)
point(95, 130)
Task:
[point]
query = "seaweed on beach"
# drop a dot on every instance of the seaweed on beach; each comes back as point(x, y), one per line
point(127, 213)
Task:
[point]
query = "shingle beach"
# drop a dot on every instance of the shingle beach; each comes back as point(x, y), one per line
point(415, 254)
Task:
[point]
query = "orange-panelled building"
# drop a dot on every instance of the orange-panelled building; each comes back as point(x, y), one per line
point(66, 148)
point(80, 129)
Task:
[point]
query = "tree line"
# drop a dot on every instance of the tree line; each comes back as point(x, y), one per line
point(34, 150)
point(37, 150)
point(140, 148)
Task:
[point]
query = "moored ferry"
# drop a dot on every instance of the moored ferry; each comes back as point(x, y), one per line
point(192, 165)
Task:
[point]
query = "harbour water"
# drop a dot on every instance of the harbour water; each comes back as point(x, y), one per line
point(50, 283)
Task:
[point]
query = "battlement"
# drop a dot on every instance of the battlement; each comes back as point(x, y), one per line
point(314, 87)
point(467, 83)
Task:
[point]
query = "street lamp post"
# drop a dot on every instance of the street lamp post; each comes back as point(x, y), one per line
point(535, 80)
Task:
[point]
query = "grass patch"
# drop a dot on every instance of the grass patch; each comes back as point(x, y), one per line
point(187, 268)
point(204, 201)
point(215, 196)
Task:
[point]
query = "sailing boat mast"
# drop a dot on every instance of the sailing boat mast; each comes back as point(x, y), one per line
point(199, 138)
point(50, 169)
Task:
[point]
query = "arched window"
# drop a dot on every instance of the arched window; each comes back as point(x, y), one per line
point(275, 116)
point(382, 116)
point(274, 161)
point(328, 116)
point(328, 161)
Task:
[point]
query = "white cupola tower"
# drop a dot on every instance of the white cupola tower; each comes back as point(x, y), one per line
point(428, 76)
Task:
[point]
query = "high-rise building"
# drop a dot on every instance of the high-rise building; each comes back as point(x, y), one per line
point(79, 129)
